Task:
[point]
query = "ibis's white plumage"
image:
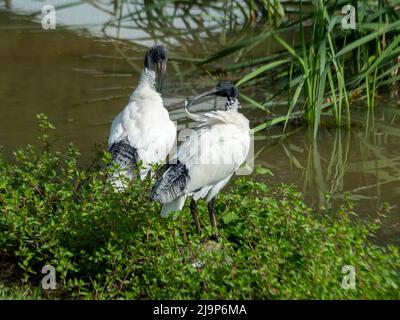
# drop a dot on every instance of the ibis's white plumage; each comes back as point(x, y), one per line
point(215, 151)
point(145, 124)
point(207, 159)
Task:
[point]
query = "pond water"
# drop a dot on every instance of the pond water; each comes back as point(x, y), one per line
point(81, 79)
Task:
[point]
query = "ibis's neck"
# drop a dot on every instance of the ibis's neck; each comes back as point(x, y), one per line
point(147, 83)
point(231, 104)
point(147, 78)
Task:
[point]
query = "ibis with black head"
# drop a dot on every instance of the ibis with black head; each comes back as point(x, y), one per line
point(143, 130)
point(208, 157)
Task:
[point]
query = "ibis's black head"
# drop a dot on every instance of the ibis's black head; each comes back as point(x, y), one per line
point(156, 60)
point(225, 89)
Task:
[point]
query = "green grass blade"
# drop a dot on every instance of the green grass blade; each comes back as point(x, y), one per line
point(261, 70)
point(293, 103)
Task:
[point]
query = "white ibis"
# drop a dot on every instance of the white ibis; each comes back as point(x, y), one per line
point(208, 157)
point(142, 131)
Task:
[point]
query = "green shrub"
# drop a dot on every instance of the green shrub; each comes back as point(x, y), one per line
point(115, 245)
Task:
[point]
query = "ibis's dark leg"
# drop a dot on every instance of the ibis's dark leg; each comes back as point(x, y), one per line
point(213, 220)
point(193, 210)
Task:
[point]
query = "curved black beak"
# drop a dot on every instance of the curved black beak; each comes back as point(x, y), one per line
point(227, 90)
point(161, 67)
point(202, 96)
point(156, 60)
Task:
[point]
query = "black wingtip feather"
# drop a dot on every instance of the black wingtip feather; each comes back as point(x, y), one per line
point(171, 184)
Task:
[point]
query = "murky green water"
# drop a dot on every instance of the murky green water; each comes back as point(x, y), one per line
point(81, 80)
